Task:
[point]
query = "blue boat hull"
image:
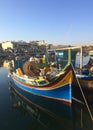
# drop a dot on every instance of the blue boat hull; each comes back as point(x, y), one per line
point(58, 108)
point(62, 94)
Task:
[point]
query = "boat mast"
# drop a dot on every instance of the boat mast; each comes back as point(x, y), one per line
point(69, 56)
point(81, 58)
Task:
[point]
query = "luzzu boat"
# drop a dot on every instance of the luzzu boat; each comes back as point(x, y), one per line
point(86, 82)
point(85, 72)
point(59, 89)
point(85, 78)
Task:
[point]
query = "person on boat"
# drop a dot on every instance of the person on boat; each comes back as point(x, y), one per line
point(46, 69)
point(51, 74)
point(59, 67)
point(53, 66)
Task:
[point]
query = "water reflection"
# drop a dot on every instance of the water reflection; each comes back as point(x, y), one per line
point(60, 117)
point(45, 117)
point(79, 118)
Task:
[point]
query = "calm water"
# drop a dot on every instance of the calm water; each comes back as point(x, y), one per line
point(16, 113)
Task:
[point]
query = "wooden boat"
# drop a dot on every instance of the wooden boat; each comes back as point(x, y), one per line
point(86, 82)
point(58, 89)
point(85, 77)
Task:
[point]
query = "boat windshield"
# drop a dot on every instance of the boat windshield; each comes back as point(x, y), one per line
point(42, 82)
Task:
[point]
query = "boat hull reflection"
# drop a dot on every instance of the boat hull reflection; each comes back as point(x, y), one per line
point(50, 114)
point(57, 108)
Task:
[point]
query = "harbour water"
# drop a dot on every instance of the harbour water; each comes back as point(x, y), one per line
point(18, 113)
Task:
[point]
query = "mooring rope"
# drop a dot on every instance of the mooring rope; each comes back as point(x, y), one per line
point(83, 95)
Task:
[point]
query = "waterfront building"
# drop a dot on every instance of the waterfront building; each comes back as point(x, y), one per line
point(6, 45)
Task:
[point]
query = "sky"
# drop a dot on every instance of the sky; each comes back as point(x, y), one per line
point(62, 22)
